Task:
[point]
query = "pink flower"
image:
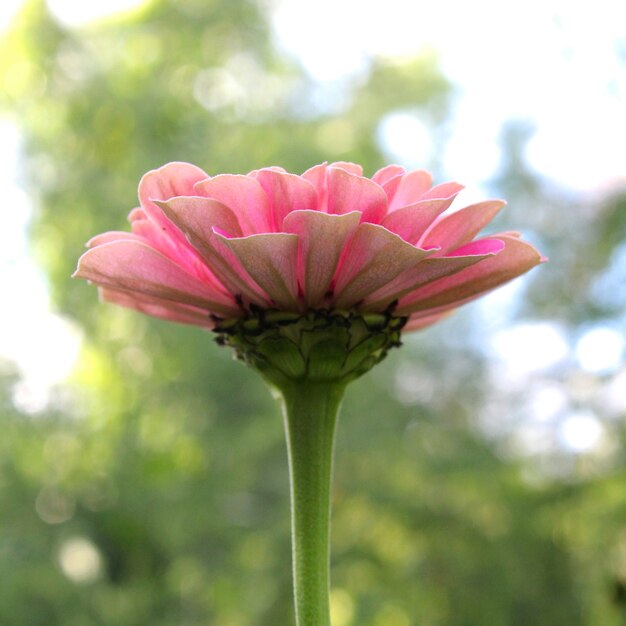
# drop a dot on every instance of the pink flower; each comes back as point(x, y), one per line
point(206, 248)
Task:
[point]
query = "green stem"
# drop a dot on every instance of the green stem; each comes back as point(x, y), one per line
point(310, 411)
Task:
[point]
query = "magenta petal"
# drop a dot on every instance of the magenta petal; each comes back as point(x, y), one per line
point(374, 257)
point(479, 247)
point(385, 174)
point(454, 230)
point(162, 309)
point(347, 193)
point(271, 260)
point(287, 193)
point(244, 196)
point(322, 239)
point(515, 259)
point(410, 188)
point(136, 267)
point(412, 221)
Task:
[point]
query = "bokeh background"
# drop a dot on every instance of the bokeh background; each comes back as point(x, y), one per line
point(480, 475)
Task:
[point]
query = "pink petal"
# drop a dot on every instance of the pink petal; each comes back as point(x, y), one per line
point(271, 260)
point(511, 233)
point(351, 168)
point(391, 186)
point(137, 214)
point(316, 175)
point(445, 190)
point(422, 322)
point(410, 188)
point(198, 218)
point(374, 257)
point(322, 239)
point(244, 196)
point(136, 267)
point(173, 179)
point(287, 193)
point(272, 168)
point(427, 271)
point(172, 243)
point(112, 235)
point(410, 222)
point(453, 230)
point(385, 174)
point(515, 259)
point(162, 309)
point(347, 193)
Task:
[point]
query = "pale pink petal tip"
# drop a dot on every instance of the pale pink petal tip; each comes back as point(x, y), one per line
point(202, 248)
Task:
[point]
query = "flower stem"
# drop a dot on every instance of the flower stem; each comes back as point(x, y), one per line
point(310, 410)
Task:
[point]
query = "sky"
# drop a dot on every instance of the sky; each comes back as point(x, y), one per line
point(559, 66)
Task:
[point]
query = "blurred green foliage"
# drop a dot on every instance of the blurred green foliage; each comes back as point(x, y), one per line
point(154, 488)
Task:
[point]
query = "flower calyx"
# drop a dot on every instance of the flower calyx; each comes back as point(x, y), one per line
point(317, 346)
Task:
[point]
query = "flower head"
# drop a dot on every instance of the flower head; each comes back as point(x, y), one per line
point(205, 249)
point(310, 279)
